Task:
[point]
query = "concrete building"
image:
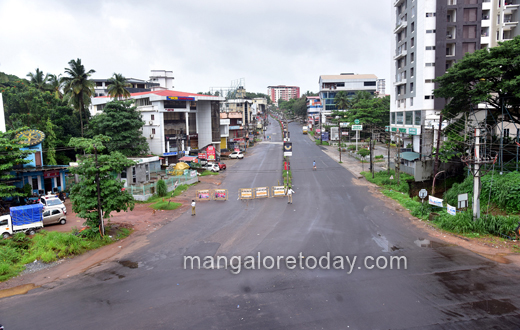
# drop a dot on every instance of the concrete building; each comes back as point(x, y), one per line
point(159, 79)
point(283, 92)
point(350, 83)
point(175, 122)
point(381, 87)
point(429, 37)
point(314, 109)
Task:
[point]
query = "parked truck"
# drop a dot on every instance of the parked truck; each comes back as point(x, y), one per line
point(27, 219)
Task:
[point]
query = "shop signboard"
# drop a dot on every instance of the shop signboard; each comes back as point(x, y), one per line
point(211, 153)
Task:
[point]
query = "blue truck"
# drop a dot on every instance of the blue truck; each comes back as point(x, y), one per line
point(26, 218)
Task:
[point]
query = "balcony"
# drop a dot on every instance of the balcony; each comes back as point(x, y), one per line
point(398, 2)
point(509, 9)
point(400, 82)
point(400, 55)
point(400, 26)
point(508, 25)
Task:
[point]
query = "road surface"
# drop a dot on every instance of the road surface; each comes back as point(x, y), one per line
point(442, 287)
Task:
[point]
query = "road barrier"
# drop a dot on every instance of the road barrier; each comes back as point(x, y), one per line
point(262, 192)
point(220, 195)
point(245, 193)
point(278, 191)
point(203, 195)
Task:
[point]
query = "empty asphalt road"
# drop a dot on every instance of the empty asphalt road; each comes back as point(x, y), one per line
point(439, 287)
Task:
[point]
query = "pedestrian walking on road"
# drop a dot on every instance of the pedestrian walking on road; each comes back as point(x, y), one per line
point(314, 165)
point(290, 192)
point(192, 207)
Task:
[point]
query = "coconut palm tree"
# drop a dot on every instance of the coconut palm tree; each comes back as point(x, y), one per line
point(54, 85)
point(117, 86)
point(342, 101)
point(77, 87)
point(38, 80)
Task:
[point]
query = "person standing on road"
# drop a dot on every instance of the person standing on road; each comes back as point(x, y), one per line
point(290, 192)
point(192, 207)
point(314, 165)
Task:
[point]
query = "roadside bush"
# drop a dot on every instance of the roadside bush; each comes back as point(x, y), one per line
point(383, 179)
point(162, 189)
point(488, 224)
point(505, 191)
point(380, 157)
point(351, 147)
point(363, 152)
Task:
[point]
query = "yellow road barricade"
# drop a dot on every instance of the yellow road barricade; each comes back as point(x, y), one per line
point(262, 192)
point(277, 191)
point(203, 195)
point(220, 194)
point(245, 193)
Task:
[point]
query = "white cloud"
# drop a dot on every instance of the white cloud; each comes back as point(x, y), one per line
point(204, 42)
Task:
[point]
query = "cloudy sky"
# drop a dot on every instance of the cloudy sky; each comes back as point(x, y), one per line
point(206, 43)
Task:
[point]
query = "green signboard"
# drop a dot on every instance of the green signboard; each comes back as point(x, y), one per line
point(356, 121)
point(402, 130)
point(357, 127)
point(394, 129)
point(387, 128)
point(412, 131)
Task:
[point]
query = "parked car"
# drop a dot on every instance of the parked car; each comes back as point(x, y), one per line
point(51, 201)
point(221, 165)
point(54, 215)
point(236, 154)
point(211, 167)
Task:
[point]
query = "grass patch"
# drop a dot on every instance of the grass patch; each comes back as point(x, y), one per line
point(324, 143)
point(206, 172)
point(47, 247)
point(166, 205)
point(383, 179)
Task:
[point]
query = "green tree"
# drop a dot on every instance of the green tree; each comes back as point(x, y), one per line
point(485, 76)
point(50, 143)
point(78, 88)
point(84, 195)
point(122, 123)
point(27, 106)
point(366, 108)
point(342, 101)
point(117, 87)
point(54, 85)
point(11, 154)
point(162, 189)
point(38, 80)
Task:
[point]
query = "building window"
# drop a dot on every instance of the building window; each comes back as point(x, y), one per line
point(428, 81)
point(143, 102)
point(412, 42)
point(411, 87)
point(470, 14)
point(152, 117)
point(412, 57)
point(35, 183)
point(428, 97)
point(430, 64)
point(153, 130)
point(409, 118)
point(58, 181)
point(430, 47)
point(413, 11)
point(413, 26)
point(412, 72)
point(392, 118)
point(369, 83)
point(506, 132)
point(417, 117)
point(430, 31)
point(399, 118)
point(430, 14)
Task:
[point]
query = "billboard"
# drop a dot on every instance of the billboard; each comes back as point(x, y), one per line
point(211, 152)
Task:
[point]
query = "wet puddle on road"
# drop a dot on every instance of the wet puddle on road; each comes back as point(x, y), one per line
point(129, 264)
point(421, 242)
point(21, 289)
